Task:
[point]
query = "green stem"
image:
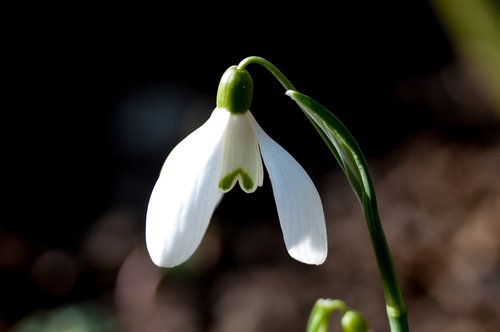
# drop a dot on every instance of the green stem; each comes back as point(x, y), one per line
point(270, 67)
point(350, 158)
point(395, 306)
point(354, 165)
point(320, 314)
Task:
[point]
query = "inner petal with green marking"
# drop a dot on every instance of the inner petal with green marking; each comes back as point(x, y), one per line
point(230, 179)
point(241, 161)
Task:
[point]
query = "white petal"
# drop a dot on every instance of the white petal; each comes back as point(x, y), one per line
point(186, 194)
point(241, 159)
point(298, 203)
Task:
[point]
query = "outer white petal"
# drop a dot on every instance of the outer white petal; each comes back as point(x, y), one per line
point(298, 203)
point(186, 194)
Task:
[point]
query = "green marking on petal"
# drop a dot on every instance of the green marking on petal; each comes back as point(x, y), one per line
point(229, 180)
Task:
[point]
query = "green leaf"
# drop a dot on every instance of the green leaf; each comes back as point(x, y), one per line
point(341, 143)
point(351, 160)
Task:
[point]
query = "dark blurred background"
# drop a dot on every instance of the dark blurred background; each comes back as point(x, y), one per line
point(95, 100)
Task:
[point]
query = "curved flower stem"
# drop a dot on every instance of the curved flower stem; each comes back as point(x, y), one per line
point(270, 67)
point(350, 158)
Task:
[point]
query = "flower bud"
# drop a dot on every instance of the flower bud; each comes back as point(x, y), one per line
point(352, 321)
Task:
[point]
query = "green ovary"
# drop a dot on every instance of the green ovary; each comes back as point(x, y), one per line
point(227, 182)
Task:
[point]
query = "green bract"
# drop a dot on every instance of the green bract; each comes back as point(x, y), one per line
point(235, 90)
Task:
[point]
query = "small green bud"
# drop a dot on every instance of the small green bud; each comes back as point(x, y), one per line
point(352, 321)
point(235, 90)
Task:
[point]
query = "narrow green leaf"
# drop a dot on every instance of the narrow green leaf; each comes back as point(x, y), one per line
point(340, 141)
point(351, 161)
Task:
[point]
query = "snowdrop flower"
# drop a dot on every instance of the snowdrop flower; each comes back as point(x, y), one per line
point(225, 150)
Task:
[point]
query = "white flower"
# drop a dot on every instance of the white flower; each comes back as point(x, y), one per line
point(227, 149)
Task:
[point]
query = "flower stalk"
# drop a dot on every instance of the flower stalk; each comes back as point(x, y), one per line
point(352, 162)
point(270, 67)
